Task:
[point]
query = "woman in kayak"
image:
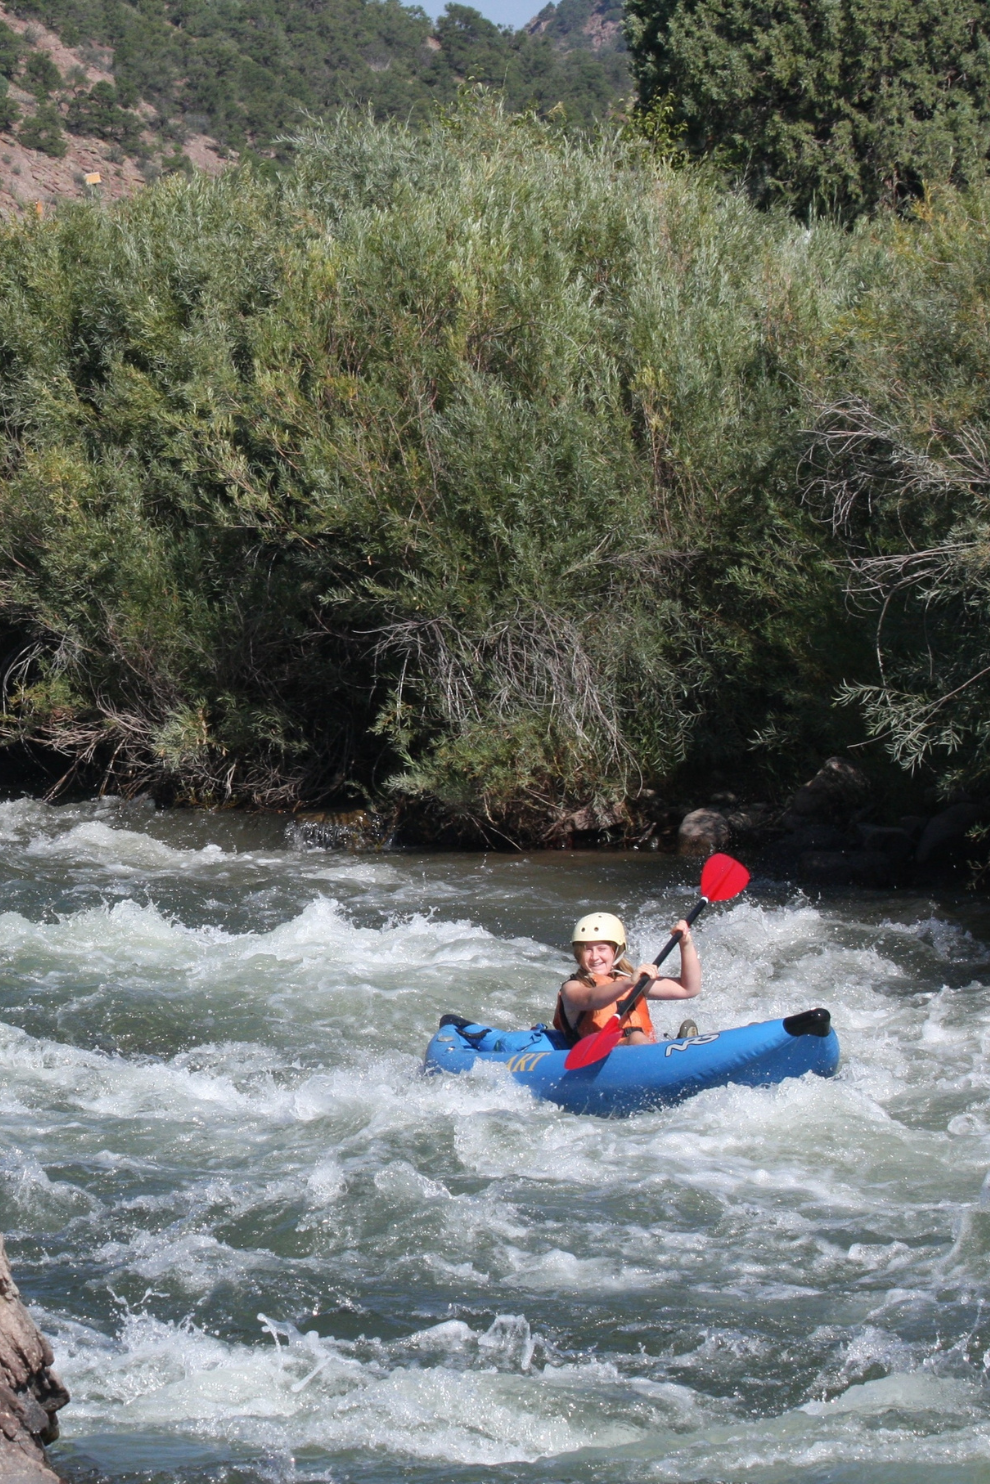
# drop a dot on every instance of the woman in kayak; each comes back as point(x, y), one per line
point(587, 1001)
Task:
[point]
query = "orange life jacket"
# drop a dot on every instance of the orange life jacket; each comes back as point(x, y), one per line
point(590, 1021)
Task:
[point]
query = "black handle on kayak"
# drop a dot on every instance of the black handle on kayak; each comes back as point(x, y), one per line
point(632, 999)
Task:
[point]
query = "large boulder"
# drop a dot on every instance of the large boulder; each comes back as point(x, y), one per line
point(703, 831)
point(30, 1391)
point(595, 817)
point(889, 840)
point(838, 791)
point(945, 835)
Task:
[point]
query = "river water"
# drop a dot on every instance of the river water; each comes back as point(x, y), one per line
point(267, 1249)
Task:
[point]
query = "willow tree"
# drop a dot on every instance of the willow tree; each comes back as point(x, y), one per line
point(827, 104)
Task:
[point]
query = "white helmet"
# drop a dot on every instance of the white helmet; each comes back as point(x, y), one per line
point(599, 927)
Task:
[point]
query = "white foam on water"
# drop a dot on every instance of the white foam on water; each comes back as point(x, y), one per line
point(913, 1421)
point(357, 873)
point(21, 819)
point(492, 1407)
point(320, 950)
point(476, 1397)
point(129, 850)
point(31, 1198)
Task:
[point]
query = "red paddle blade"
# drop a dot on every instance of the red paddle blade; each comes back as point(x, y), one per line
point(723, 878)
point(594, 1048)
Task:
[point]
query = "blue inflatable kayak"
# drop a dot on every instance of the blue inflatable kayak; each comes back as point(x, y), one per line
point(634, 1078)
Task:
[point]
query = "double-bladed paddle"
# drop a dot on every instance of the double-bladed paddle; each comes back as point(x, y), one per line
point(722, 878)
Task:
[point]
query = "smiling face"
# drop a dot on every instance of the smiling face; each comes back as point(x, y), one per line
point(596, 958)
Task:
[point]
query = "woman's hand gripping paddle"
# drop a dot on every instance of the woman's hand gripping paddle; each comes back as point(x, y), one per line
point(721, 879)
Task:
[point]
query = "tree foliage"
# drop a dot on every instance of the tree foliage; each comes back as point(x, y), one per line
point(10, 51)
point(496, 468)
point(40, 75)
point(249, 72)
point(900, 468)
point(43, 131)
point(9, 111)
point(826, 104)
point(97, 112)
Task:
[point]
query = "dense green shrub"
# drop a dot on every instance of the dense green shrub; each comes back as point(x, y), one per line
point(43, 131)
point(9, 111)
point(827, 104)
point(900, 466)
point(478, 460)
point(97, 112)
point(40, 76)
point(10, 51)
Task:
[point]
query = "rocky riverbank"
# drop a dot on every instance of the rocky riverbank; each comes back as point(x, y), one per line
point(832, 831)
point(30, 1391)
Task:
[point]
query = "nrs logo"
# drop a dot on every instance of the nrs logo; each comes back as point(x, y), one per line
point(673, 1046)
point(527, 1062)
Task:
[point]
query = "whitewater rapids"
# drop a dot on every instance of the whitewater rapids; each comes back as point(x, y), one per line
point(267, 1249)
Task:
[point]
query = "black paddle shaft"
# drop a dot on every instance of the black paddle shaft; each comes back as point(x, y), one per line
point(644, 981)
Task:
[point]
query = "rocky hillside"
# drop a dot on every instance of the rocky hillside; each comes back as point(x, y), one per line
point(590, 25)
point(63, 119)
point(92, 88)
point(249, 74)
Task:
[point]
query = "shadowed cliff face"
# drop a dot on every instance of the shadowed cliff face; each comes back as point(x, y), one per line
point(30, 1391)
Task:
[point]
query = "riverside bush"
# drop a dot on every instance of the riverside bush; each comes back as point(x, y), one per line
point(481, 464)
point(828, 105)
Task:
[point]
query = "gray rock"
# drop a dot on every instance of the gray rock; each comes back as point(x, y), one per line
point(947, 831)
point(24, 1470)
point(596, 817)
point(702, 831)
point(17, 1468)
point(892, 842)
point(358, 830)
point(748, 821)
point(30, 1391)
point(837, 791)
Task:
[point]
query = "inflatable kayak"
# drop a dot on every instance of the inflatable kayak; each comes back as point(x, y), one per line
point(634, 1078)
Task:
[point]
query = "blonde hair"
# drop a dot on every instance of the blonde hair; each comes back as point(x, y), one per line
point(620, 966)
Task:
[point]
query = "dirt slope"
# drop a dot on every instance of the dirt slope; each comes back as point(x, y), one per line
point(32, 181)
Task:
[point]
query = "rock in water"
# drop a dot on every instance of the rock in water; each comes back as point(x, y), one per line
point(359, 829)
point(837, 791)
point(702, 831)
point(892, 842)
point(946, 833)
point(30, 1391)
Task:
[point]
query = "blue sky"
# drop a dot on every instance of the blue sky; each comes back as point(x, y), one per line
point(505, 12)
